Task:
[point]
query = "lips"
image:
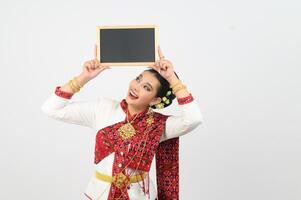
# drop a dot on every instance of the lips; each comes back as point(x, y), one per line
point(133, 95)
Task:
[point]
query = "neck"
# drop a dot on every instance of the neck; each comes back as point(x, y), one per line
point(135, 110)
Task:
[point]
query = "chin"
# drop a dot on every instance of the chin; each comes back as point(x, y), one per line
point(131, 101)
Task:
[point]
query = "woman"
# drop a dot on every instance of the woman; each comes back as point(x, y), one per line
point(129, 132)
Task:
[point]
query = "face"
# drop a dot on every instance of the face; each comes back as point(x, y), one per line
point(143, 90)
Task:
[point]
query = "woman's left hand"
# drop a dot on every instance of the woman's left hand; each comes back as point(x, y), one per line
point(164, 67)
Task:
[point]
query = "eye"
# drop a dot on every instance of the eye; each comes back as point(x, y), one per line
point(138, 78)
point(147, 88)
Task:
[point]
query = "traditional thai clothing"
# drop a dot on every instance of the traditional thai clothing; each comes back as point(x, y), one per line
point(122, 162)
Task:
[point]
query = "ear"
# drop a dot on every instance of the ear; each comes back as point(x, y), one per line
point(155, 101)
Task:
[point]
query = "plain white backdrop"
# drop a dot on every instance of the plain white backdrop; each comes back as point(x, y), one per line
point(240, 59)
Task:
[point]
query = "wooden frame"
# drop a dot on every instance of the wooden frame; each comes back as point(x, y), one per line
point(154, 26)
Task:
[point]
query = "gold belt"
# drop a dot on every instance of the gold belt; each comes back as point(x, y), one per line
point(120, 179)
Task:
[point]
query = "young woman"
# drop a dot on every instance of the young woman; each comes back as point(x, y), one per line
point(129, 134)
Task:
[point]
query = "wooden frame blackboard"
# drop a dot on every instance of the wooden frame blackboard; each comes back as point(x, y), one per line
point(131, 45)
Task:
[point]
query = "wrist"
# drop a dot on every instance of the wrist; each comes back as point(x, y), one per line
point(173, 80)
point(82, 79)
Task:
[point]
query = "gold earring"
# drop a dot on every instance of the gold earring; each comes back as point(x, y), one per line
point(150, 118)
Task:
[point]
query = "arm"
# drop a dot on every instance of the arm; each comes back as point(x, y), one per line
point(191, 115)
point(59, 105)
point(63, 109)
point(189, 119)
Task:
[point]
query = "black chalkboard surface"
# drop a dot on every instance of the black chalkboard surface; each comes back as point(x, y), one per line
point(127, 45)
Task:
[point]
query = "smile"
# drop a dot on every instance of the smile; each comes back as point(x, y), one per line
point(133, 95)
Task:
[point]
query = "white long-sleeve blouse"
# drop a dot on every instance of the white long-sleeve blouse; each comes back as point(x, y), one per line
point(104, 112)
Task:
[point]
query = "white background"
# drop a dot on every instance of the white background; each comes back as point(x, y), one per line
point(240, 59)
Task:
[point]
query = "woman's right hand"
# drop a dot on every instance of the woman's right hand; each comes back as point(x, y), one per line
point(92, 68)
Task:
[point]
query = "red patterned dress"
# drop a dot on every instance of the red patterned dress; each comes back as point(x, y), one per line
point(122, 165)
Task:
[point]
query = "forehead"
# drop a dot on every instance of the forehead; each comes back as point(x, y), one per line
point(150, 78)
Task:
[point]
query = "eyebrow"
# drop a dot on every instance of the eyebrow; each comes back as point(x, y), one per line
point(147, 82)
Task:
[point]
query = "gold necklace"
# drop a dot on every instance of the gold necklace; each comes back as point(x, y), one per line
point(127, 130)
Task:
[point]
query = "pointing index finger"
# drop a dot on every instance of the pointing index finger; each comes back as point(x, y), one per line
point(95, 51)
point(161, 56)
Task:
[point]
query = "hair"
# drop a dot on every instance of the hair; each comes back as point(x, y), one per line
point(164, 87)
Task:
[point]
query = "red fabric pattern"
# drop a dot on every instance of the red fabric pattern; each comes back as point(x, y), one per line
point(167, 169)
point(185, 100)
point(109, 141)
point(61, 93)
point(136, 152)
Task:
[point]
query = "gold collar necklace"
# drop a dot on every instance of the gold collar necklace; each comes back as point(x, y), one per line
point(127, 130)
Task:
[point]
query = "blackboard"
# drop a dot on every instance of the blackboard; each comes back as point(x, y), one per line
point(127, 45)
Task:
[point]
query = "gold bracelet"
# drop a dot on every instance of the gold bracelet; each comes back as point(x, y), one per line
point(77, 83)
point(177, 83)
point(76, 86)
point(180, 87)
point(180, 84)
point(73, 87)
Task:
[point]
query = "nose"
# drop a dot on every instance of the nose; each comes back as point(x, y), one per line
point(135, 87)
point(136, 90)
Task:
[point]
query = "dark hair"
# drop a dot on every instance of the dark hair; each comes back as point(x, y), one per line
point(164, 87)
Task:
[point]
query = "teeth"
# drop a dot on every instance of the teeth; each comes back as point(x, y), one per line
point(132, 93)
